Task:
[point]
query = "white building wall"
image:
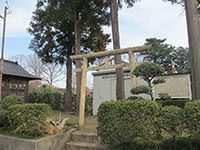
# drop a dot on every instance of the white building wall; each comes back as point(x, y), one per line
point(105, 88)
point(177, 86)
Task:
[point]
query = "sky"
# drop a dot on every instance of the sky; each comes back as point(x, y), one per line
point(147, 19)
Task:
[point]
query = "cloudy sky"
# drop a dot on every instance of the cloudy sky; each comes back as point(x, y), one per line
point(147, 19)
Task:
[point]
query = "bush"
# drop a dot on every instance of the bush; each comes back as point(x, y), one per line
point(3, 117)
point(28, 118)
point(45, 95)
point(164, 96)
point(145, 145)
point(178, 103)
point(172, 118)
point(181, 144)
point(123, 121)
point(192, 117)
point(58, 103)
point(195, 141)
point(11, 100)
point(35, 97)
point(88, 105)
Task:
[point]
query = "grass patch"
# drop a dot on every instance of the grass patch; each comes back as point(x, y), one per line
point(69, 124)
point(85, 130)
point(19, 135)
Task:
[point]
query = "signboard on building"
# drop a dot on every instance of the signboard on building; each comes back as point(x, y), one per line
point(176, 85)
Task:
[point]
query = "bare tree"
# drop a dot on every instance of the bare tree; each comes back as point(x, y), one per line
point(35, 66)
point(53, 73)
point(21, 59)
point(50, 73)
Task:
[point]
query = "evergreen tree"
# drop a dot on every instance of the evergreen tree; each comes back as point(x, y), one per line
point(180, 56)
point(160, 53)
point(52, 27)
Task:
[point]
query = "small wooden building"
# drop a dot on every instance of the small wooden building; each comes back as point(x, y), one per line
point(15, 79)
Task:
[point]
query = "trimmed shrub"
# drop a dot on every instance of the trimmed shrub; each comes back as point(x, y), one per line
point(166, 144)
point(141, 89)
point(54, 98)
point(28, 118)
point(178, 103)
point(11, 100)
point(58, 101)
point(171, 119)
point(35, 97)
point(164, 96)
point(3, 117)
point(123, 121)
point(192, 117)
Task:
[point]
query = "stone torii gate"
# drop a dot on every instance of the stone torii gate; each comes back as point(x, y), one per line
point(132, 64)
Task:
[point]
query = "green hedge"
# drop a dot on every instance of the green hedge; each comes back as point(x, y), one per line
point(123, 121)
point(192, 117)
point(184, 143)
point(181, 144)
point(11, 100)
point(54, 98)
point(3, 116)
point(138, 145)
point(165, 144)
point(132, 125)
point(4, 105)
point(172, 117)
point(178, 103)
point(29, 118)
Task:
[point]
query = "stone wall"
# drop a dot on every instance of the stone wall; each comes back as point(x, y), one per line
point(53, 142)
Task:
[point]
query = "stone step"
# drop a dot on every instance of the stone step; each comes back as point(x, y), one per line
point(85, 146)
point(89, 137)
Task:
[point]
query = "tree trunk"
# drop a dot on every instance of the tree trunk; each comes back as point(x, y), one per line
point(68, 92)
point(116, 44)
point(193, 26)
point(78, 62)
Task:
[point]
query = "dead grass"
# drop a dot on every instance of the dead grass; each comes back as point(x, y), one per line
point(90, 121)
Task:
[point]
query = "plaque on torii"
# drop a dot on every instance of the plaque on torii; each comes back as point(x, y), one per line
point(132, 64)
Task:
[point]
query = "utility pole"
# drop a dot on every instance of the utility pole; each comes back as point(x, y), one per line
point(2, 52)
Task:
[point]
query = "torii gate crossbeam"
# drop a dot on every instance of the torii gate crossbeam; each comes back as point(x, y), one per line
point(105, 54)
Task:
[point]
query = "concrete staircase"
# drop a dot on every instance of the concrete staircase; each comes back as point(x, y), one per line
point(85, 141)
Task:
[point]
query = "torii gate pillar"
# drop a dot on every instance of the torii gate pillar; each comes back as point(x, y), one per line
point(105, 54)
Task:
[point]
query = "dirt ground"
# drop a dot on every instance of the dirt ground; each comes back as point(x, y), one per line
point(91, 122)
